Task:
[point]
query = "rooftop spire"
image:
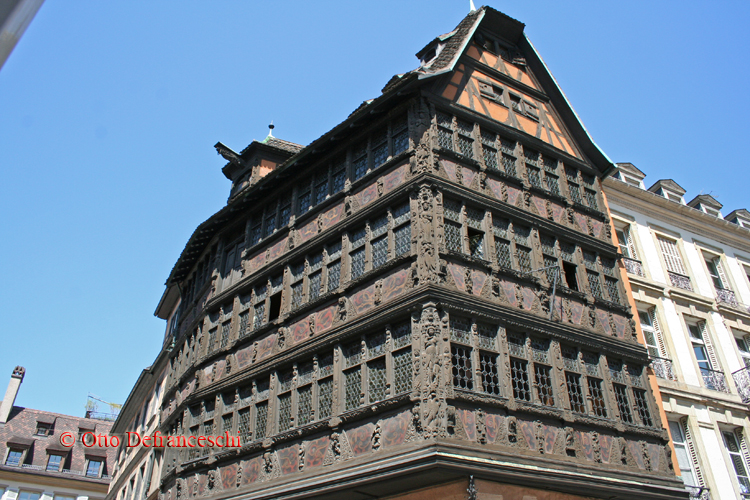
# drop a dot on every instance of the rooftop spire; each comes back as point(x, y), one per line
point(471, 6)
point(270, 129)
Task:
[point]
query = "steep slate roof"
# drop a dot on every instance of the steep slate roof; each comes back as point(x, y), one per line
point(286, 146)
point(397, 87)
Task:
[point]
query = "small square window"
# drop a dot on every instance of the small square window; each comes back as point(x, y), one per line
point(15, 457)
point(43, 429)
point(94, 468)
point(54, 463)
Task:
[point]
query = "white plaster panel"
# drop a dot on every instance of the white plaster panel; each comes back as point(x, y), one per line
point(696, 269)
point(650, 257)
point(725, 340)
point(682, 356)
point(713, 458)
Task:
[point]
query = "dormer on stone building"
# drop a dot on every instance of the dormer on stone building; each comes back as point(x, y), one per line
point(668, 189)
point(629, 174)
point(256, 161)
point(706, 204)
point(741, 217)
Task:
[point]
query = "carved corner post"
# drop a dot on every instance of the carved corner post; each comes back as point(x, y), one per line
point(426, 225)
point(431, 375)
point(423, 159)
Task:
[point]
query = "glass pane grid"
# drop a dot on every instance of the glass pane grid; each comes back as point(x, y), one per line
point(401, 214)
point(487, 336)
point(534, 176)
point(613, 290)
point(402, 237)
point(401, 141)
point(523, 255)
point(543, 375)
point(539, 350)
point(641, 406)
point(520, 379)
point(500, 227)
point(358, 263)
point(315, 285)
point(575, 392)
point(376, 379)
point(352, 354)
point(285, 412)
point(489, 155)
point(453, 236)
point(460, 330)
point(375, 345)
point(509, 164)
point(325, 365)
point(623, 405)
point(380, 154)
point(462, 374)
point(379, 226)
point(401, 335)
point(352, 388)
point(474, 217)
point(502, 253)
point(445, 138)
point(488, 138)
point(402, 371)
point(517, 344)
point(325, 398)
point(490, 378)
point(597, 397)
point(304, 406)
point(334, 275)
point(379, 252)
point(452, 210)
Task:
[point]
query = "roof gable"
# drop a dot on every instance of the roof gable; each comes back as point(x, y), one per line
point(493, 69)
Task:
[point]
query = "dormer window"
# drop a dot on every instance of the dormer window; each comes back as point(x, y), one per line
point(43, 429)
point(429, 55)
point(711, 211)
point(671, 196)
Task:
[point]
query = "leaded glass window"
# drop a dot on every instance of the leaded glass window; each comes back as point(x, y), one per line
point(591, 362)
point(462, 374)
point(487, 336)
point(400, 135)
point(303, 201)
point(596, 396)
point(465, 140)
point(227, 421)
point(445, 132)
point(297, 294)
point(359, 162)
point(358, 263)
point(376, 379)
point(379, 147)
point(402, 237)
point(352, 354)
point(543, 376)
point(509, 165)
point(490, 378)
point(338, 177)
point(591, 198)
point(320, 189)
point(243, 427)
point(314, 281)
point(304, 405)
point(523, 254)
point(623, 405)
point(325, 398)
point(540, 349)
point(502, 253)
point(575, 392)
point(517, 344)
point(534, 176)
point(519, 378)
point(401, 335)
point(225, 327)
point(334, 275)
point(613, 290)
point(285, 412)
point(211, 340)
point(352, 388)
point(244, 319)
point(595, 285)
point(460, 329)
point(402, 371)
point(641, 405)
point(453, 236)
point(379, 251)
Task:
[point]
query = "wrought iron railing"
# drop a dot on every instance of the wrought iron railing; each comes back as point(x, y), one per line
point(633, 266)
point(715, 380)
point(726, 296)
point(680, 281)
point(742, 381)
point(663, 368)
point(699, 492)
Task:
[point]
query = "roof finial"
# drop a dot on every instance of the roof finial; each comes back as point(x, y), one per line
point(270, 129)
point(471, 6)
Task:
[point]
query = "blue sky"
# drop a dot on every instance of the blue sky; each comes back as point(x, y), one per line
point(109, 112)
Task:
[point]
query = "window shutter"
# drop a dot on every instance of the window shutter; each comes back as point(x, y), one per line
point(671, 256)
point(657, 333)
point(693, 454)
point(709, 346)
point(722, 276)
point(631, 245)
point(743, 444)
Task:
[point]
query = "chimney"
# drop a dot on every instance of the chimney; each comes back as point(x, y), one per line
point(10, 395)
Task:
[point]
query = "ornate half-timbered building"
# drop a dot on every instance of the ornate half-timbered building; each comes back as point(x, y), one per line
point(426, 297)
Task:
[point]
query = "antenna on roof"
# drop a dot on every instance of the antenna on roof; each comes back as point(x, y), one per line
point(471, 6)
point(270, 129)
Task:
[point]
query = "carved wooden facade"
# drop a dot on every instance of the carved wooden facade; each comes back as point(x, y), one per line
point(381, 304)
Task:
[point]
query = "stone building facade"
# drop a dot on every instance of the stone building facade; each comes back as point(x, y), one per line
point(427, 297)
point(36, 462)
point(689, 269)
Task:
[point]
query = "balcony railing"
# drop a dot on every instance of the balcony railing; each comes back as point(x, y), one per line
point(680, 281)
point(726, 296)
point(715, 380)
point(663, 368)
point(742, 381)
point(699, 492)
point(633, 266)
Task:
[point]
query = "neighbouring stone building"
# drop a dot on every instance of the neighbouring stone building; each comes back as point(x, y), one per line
point(137, 469)
point(35, 463)
point(689, 269)
point(424, 302)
